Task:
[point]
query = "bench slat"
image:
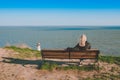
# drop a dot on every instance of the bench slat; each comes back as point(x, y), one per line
point(83, 56)
point(57, 57)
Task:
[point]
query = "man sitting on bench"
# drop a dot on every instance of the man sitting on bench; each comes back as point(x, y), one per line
point(82, 45)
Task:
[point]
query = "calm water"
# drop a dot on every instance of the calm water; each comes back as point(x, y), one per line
point(105, 39)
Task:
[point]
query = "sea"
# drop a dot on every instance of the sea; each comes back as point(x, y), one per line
point(106, 39)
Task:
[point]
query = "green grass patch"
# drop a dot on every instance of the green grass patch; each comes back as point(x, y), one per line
point(49, 66)
point(110, 59)
point(54, 66)
point(24, 52)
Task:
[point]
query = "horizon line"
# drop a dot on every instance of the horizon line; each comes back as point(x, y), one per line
point(60, 25)
point(112, 26)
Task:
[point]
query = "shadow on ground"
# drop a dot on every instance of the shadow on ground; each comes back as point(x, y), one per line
point(24, 62)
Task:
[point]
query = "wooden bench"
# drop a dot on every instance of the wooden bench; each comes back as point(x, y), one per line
point(64, 54)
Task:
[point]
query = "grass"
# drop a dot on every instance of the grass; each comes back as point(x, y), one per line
point(54, 66)
point(49, 66)
point(24, 52)
point(110, 59)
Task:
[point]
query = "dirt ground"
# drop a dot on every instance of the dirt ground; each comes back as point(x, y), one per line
point(19, 69)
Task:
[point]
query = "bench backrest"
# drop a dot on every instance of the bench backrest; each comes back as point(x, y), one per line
point(88, 54)
point(63, 54)
point(55, 54)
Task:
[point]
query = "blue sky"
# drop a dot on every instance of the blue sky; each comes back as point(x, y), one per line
point(59, 12)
